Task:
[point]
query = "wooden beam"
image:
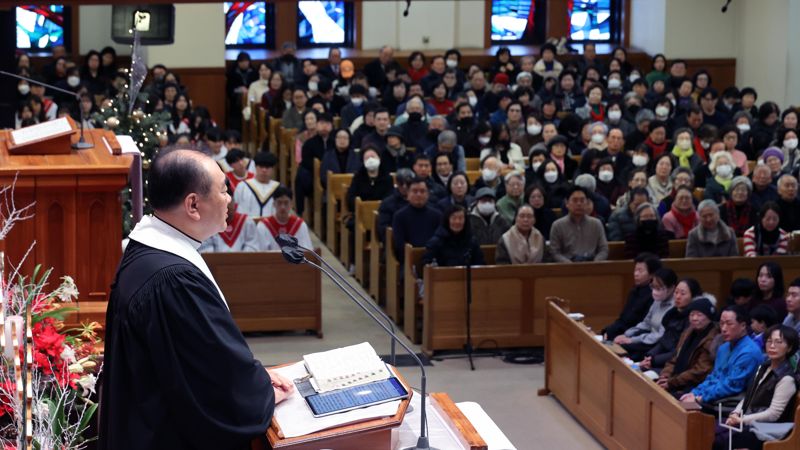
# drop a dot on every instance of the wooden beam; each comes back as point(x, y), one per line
point(285, 23)
point(487, 23)
point(625, 23)
point(357, 15)
point(557, 19)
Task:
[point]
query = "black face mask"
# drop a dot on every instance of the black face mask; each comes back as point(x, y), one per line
point(648, 227)
point(414, 117)
point(434, 134)
point(633, 109)
point(465, 122)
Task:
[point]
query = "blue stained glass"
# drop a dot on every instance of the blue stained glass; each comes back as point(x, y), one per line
point(510, 19)
point(245, 23)
point(40, 26)
point(590, 20)
point(320, 22)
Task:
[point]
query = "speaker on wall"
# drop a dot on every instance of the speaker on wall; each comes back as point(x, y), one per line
point(156, 23)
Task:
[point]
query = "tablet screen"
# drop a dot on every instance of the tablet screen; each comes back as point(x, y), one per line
point(356, 397)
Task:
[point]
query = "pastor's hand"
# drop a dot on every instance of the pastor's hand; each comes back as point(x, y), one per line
point(282, 385)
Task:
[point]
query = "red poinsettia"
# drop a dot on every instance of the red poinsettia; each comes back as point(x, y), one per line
point(7, 391)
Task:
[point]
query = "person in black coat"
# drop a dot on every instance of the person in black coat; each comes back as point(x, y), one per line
point(416, 223)
point(675, 321)
point(639, 298)
point(370, 182)
point(396, 201)
point(237, 80)
point(377, 69)
point(453, 244)
point(536, 196)
point(313, 148)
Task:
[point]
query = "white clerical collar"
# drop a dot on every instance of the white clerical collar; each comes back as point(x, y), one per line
point(154, 232)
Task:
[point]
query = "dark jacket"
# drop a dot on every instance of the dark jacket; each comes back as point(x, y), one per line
point(368, 188)
point(487, 232)
point(758, 396)
point(544, 220)
point(700, 245)
point(641, 240)
point(790, 215)
point(315, 148)
point(700, 364)
point(391, 163)
point(499, 189)
point(390, 205)
point(376, 72)
point(759, 197)
point(331, 162)
point(448, 249)
point(639, 300)
point(414, 226)
point(674, 322)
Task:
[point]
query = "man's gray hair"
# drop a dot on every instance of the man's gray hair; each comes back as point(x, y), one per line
point(586, 181)
point(447, 137)
point(785, 176)
point(708, 203)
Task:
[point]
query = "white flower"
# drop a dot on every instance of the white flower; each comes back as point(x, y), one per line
point(67, 291)
point(68, 354)
point(87, 383)
point(41, 409)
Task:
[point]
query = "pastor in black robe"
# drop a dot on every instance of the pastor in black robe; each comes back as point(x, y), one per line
point(178, 373)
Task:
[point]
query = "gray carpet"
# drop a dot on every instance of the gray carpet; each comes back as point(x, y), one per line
point(506, 391)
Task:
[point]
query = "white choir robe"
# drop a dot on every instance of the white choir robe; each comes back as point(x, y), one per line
point(266, 239)
point(258, 204)
point(220, 159)
point(240, 236)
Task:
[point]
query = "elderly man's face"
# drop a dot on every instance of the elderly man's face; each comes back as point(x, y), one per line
point(761, 176)
point(213, 208)
point(709, 218)
point(787, 188)
point(515, 187)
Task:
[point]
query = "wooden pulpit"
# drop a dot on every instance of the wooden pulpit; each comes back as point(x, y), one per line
point(77, 223)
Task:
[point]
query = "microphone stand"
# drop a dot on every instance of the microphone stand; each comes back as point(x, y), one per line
point(81, 144)
point(294, 254)
point(468, 344)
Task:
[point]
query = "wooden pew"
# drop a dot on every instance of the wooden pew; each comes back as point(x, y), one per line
point(792, 442)
point(258, 295)
point(473, 163)
point(319, 192)
point(261, 134)
point(508, 302)
point(286, 149)
point(376, 269)
point(392, 278)
point(473, 176)
point(246, 125)
point(412, 302)
point(620, 407)
point(336, 207)
point(365, 230)
point(274, 133)
point(616, 250)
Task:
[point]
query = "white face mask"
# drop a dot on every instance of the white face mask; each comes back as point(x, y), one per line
point(373, 91)
point(535, 166)
point(488, 175)
point(551, 176)
point(791, 144)
point(73, 81)
point(372, 163)
point(725, 171)
point(313, 86)
point(614, 83)
point(472, 100)
point(605, 175)
point(705, 144)
point(451, 63)
point(598, 138)
point(633, 77)
point(662, 111)
point(23, 89)
point(357, 101)
point(288, 104)
point(743, 127)
point(640, 160)
point(684, 144)
point(484, 139)
point(486, 208)
point(534, 130)
point(614, 115)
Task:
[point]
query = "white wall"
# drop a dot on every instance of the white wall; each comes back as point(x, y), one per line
point(446, 24)
point(95, 29)
point(698, 29)
point(647, 25)
point(199, 38)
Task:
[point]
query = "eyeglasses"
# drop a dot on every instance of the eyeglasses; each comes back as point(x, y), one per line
point(774, 342)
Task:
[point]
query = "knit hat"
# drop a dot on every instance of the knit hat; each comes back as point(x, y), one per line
point(741, 179)
point(501, 78)
point(485, 192)
point(772, 151)
point(704, 306)
point(395, 131)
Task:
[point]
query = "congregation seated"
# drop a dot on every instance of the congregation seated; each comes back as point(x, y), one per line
point(761, 318)
point(371, 181)
point(718, 185)
point(792, 318)
point(694, 353)
point(763, 188)
point(712, 237)
point(735, 363)
point(578, 236)
point(738, 211)
point(680, 176)
point(394, 202)
point(766, 238)
point(447, 143)
point(649, 234)
point(490, 177)
point(416, 222)
point(522, 243)
point(535, 196)
point(788, 203)
point(770, 395)
point(623, 221)
point(238, 162)
point(458, 189)
point(453, 244)
point(313, 149)
point(682, 217)
point(640, 297)
point(282, 222)
point(240, 234)
point(423, 169)
point(515, 188)
point(640, 338)
point(341, 158)
point(487, 224)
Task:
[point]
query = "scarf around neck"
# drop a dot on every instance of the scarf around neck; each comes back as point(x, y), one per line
point(686, 221)
point(523, 250)
point(683, 155)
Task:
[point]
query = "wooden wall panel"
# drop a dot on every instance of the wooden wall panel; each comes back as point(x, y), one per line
point(206, 87)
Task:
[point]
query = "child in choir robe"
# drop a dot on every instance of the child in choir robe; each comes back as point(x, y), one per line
point(215, 142)
point(238, 162)
point(253, 197)
point(239, 236)
point(283, 221)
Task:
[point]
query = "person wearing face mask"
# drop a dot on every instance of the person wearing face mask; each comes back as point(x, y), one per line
point(490, 176)
point(718, 186)
point(643, 336)
point(354, 109)
point(555, 185)
point(648, 235)
point(531, 136)
point(487, 224)
point(683, 150)
point(598, 132)
point(788, 140)
point(535, 160)
point(615, 118)
point(622, 221)
point(607, 183)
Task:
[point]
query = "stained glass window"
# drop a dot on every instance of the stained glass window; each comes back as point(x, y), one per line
point(247, 24)
point(324, 23)
point(40, 26)
point(511, 19)
point(592, 20)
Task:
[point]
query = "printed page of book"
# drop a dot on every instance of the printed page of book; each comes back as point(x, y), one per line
point(345, 367)
point(41, 131)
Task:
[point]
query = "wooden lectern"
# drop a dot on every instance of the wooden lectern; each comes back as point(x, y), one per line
point(78, 216)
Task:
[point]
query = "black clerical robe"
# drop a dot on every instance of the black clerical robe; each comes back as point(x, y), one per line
point(178, 373)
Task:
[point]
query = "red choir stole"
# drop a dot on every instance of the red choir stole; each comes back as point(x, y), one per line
point(234, 229)
point(235, 180)
point(290, 227)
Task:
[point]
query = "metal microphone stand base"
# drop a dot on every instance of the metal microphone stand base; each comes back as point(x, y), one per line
point(82, 145)
point(422, 444)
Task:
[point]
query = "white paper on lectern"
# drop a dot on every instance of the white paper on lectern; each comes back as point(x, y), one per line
point(485, 426)
point(440, 435)
point(295, 418)
point(42, 130)
point(126, 143)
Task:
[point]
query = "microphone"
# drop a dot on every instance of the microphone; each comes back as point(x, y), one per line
point(81, 144)
point(294, 253)
point(725, 6)
point(408, 5)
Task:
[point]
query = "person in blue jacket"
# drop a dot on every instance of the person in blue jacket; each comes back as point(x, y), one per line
point(736, 362)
